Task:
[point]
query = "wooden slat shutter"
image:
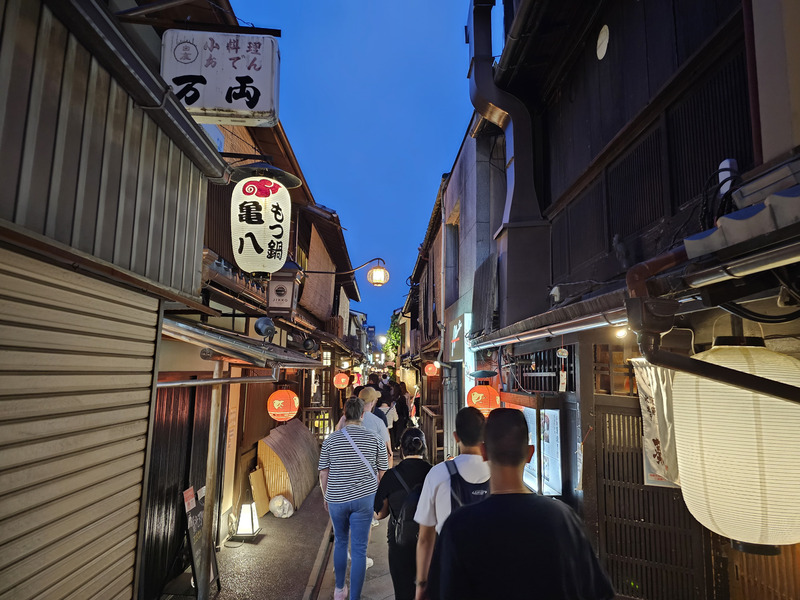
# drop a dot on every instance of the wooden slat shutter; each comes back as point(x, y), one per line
point(76, 370)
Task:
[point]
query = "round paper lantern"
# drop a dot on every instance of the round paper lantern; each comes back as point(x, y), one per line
point(378, 276)
point(341, 380)
point(431, 370)
point(484, 397)
point(738, 452)
point(282, 405)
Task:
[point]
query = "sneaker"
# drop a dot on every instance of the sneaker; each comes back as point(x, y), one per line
point(340, 594)
point(375, 522)
point(370, 562)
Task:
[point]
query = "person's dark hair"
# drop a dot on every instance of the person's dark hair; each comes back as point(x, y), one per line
point(357, 390)
point(403, 388)
point(506, 437)
point(353, 409)
point(373, 378)
point(412, 442)
point(469, 426)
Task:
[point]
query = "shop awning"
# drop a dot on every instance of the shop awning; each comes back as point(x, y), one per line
point(236, 346)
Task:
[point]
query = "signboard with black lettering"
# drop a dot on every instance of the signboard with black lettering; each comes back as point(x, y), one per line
point(194, 530)
point(226, 78)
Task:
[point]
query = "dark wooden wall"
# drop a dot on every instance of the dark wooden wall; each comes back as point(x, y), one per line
point(648, 43)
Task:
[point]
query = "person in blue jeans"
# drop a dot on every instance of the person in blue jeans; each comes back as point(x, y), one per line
point(351, 463)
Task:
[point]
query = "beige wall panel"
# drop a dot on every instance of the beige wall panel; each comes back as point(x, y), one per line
point(110, 513)
point(63, 298)
point(12, 385)
point(19, 361)
point(71, 342)
point(69, 573)
point(34, 430)
point(19, 478)
point(179, 356)
point(27, 267)
point(65, 563)
point(118, 558)
point(23, 455)
point(79, 484)
point(22, 313)
point(103, 585)
point(54, 405)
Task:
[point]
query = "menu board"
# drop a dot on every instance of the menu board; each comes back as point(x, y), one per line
point(550, 428)
point(194, 530)
point(530, 476)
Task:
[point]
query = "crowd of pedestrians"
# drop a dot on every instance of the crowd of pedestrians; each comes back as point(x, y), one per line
point(442, 517)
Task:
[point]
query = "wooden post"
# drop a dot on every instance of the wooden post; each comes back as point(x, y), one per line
point(204, 568)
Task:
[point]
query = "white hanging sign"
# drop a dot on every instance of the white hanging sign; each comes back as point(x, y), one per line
point(261, 211)
point(223, 77)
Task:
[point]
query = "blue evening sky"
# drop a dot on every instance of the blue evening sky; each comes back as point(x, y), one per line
point(374, 99)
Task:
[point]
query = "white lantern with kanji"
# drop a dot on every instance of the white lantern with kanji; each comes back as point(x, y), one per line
point(261, 211)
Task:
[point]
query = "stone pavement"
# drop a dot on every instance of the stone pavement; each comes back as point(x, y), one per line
point(279, 563)
point(378, 583)
point(292, 559)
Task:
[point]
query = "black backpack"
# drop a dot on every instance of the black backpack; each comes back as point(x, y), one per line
point(406, 529)
point(462, 491)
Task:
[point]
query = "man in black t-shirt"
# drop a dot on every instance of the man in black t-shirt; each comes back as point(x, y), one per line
point(536, 545)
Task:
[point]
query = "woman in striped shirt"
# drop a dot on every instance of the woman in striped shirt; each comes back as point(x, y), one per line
point(351, 463)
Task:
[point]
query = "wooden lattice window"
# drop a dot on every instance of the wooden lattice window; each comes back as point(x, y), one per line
point(539, 371)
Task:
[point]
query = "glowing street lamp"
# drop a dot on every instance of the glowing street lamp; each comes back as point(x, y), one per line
point(377, 275)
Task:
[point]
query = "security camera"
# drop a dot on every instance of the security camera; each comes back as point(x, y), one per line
point(265, 327)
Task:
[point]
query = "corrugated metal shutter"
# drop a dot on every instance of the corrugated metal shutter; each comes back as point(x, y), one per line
point(76, 368)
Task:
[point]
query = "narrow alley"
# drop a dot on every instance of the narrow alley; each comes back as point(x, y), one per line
point(557, 242)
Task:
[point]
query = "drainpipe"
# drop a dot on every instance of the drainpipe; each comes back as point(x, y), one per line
point(507, 112)
point(652, 317)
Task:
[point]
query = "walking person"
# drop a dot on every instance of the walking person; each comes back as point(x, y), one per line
point(539, 549)
point(451, 483)
point(351, 463)
point(395, 489)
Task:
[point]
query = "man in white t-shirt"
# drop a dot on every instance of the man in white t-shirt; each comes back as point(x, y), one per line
point(435, 499)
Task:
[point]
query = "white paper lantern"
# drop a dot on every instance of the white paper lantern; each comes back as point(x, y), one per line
point(738, 451)
point(261, 211)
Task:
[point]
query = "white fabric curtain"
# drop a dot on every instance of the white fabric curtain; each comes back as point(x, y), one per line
point(658, 440)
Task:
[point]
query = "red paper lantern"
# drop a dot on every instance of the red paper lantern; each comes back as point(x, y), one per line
point(431, 370)
point(484, 397)
point(341, 381)
point(282, 405)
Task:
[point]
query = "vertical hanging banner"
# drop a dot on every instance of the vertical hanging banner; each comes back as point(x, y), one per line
point(223, 77)
point(261, 210)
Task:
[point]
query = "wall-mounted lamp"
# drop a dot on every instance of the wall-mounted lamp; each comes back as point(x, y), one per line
point(621, 332)
point(377, 275)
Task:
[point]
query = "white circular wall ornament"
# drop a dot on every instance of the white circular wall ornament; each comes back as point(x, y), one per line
point(602, 42)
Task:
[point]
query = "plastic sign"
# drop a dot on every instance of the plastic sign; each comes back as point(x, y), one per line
point(283, 405)
point(261, 210)
point(224, 78)
point(341, 381)
point(483, 397)
point(431, 370)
